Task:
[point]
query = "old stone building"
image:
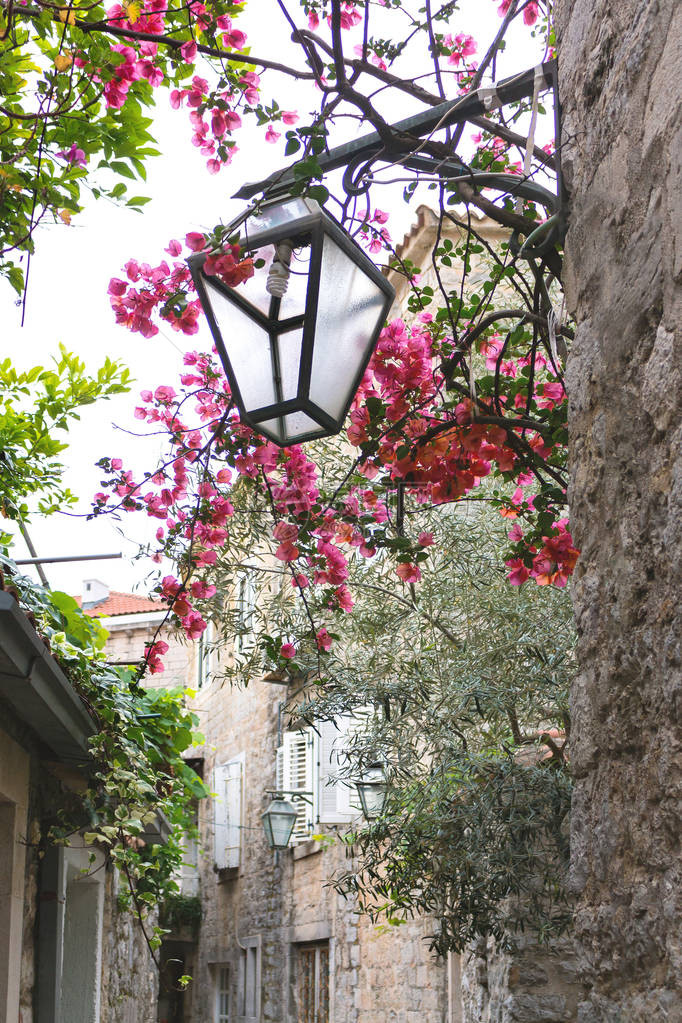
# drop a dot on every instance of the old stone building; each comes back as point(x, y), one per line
point(67, 953)
point(274, 942)
point(621, 147)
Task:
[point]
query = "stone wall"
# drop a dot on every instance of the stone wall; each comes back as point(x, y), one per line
point(130, 980)
point(127, 641)
point(532, 985)
point(377, 975)
point(621, 144)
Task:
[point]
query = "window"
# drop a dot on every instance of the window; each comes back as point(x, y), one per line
point(206, 656)
point(227, 813)
point(245, 604)
point(295, 759)
point(222, 994)
point(312, 761)
point(313, 983)
point(336, 801)
point(248, 992)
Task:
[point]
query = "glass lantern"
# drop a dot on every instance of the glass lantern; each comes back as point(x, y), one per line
point(295, 338)
point(372, 791)
point(278, 821)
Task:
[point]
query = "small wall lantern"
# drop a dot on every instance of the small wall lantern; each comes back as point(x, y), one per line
point(295, 338)
point(278, 821)
point(371, 788)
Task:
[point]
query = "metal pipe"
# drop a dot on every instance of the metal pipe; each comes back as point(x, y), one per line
point(68, 557)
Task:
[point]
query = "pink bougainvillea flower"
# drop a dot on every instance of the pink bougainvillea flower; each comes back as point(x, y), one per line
point(188, 51)
point(287, 650)
point(408, 573)
point(195, 241)
point(271, 135)
point(519, 572)
point(74, 156)
point(530, 13)
point(324, 640)
point(289, 116)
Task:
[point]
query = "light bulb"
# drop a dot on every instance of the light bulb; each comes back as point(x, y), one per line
point(278, 275)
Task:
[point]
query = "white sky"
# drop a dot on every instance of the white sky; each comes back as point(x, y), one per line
point(68, 302)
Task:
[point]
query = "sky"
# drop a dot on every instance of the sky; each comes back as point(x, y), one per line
point(68, 303)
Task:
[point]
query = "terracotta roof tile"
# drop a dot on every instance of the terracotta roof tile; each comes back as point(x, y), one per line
point(122, 604)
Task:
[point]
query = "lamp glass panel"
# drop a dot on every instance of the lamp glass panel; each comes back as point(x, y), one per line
point(293, 302)
point(289, 345)
point(276, 215)
point(248, 349)
point(282, 825)
point(296, 424)
point(349, 307)
point(372, 797)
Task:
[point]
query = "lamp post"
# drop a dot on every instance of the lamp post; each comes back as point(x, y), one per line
point(371, 788)
point(296, 337)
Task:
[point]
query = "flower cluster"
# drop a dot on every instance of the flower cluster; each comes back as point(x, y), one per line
point(552, 565)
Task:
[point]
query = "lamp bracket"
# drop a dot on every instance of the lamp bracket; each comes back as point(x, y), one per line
point(280, 793)
point(359, 155)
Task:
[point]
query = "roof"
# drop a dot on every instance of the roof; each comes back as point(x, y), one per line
point(41, 695)
point(122, 604)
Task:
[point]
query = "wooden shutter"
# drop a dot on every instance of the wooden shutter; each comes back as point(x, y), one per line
point(336, 800)
point(227, 814)
point(233, 803)
point(295, 769)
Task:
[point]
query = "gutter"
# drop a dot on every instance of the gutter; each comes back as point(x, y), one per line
point(39, 692)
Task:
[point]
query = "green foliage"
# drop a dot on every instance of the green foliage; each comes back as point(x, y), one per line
point(460, 687)
point(137, 775)
point(36, 406)
point(180, 911)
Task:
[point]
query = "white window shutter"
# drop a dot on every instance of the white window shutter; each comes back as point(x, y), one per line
point(233, 802)
point(227, 813)
point(220, 817)
point(336, 800)
point(279, 769)
point(295, 764)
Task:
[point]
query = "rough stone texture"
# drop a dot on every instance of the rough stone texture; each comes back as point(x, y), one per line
point(130, 980)
point(532, 985)
point(127, 641)
point(622, 140)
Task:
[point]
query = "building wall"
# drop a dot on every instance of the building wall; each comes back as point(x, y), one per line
point(376, 973)
point(622, 138)
point(534, 985)
point(67, 954)
point(127, 640)
point(130, 979)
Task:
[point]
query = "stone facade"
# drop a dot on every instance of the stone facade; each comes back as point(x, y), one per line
point(283, 903)
point(534, 985)
point(621, 146)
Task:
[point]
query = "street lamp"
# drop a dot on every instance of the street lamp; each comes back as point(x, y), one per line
point(296, 338)
point(371, 788)
point(278, 821)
